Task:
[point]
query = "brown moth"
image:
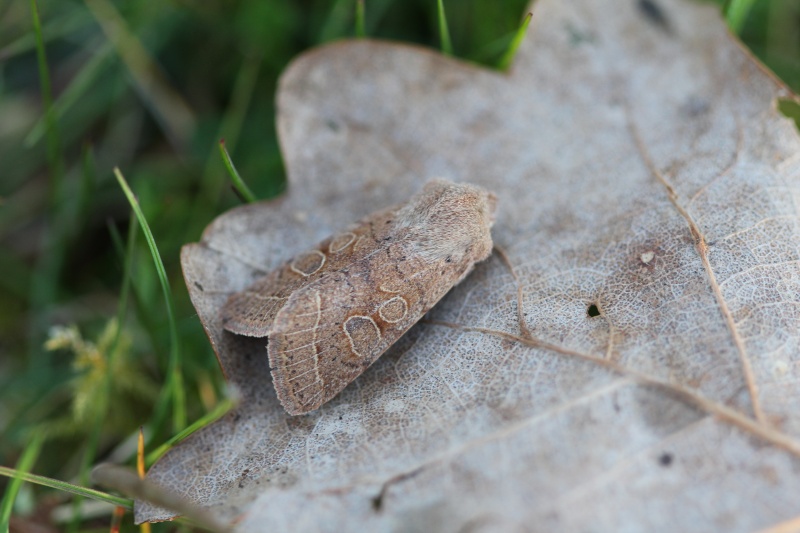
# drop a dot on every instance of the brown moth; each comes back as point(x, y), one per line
point(331, 312)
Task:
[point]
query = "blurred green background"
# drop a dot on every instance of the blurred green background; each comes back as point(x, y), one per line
point(151, 87)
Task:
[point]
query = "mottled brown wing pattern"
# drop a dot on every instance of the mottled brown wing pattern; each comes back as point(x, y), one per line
point(251, 311)
point(331, 312)
point(329, 332)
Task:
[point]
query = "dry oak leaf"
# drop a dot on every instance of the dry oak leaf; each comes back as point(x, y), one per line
point(629, 360)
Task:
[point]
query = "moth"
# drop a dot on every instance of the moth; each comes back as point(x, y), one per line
point(329, 313)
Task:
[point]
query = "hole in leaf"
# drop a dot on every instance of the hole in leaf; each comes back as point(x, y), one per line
point(654, 14)
point(790, 109)
point(377, 502)
point(593, 311)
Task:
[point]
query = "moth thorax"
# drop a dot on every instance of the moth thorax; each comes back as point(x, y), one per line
point(450, 221)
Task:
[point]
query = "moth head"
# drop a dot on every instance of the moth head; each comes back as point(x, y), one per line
point(449, 220)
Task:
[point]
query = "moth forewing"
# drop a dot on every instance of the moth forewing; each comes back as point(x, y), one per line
point(251, 312)
point(328, 333)
point(332, 312)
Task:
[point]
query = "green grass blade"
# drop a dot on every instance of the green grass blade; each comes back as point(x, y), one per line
point(444, 32)
point(53, 138)
point(736, 14)
point(78, 88)
point(169, 108)
point(174, 377)
point(508, 57)
point(62, 26)
point(337, 23)
point(127, 481)
point(361, 26)
point(239, 185)
point(223, 407)
point(66, 487)
point(87, 185)
point(26, 462)
point(90, 454)
point(44, 285)
point(211, 186)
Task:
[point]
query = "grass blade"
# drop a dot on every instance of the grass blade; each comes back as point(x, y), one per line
point(170, 109)
point(66, 487)
point(174, 377)
point(144, 528)
point(211, 186)
point(53, 138)
point(128, 482)
point(223, 407)
point(508, 57)
point(444, 32)
point(71, 96)
point(736, 14)
point(44, 284)
point(23, 466)
point(238, 184)
point(361, 25)
point(90, 453)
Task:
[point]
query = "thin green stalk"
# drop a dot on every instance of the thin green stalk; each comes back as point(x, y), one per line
point(238, 184)
point(24, 465)
point(21, 475)
point(79, 86)
point(444, 33)
point(143, 318)
point(174, 377)
point(88, 180)
point(65, 24)
point(508, 57)
point(736, 14)
point(223, 407)
point(361, 26)
point(127, 481)
point(169, 108)
point(53, 138)
point(44, 284)
point(90, 454)
point(211, 186)
point(337, 24)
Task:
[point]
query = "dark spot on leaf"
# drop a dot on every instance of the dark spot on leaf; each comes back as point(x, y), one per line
point(332, 124)
point(448, 260)
point(593, 311)
point(200, 287)
point(577, 36)
point(695, 106)
point(665, 459)
point(377, 502)
point(653, 13)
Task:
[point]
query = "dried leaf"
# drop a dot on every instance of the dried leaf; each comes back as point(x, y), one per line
point(647, 218)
